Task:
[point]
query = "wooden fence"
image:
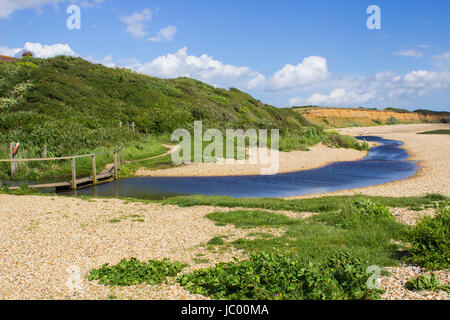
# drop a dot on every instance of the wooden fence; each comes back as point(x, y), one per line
point(74, 183)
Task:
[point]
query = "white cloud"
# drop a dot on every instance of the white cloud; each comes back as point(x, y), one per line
point(7, 7)
point(40, 51)
point(203, 68)
point(107, 61)
point(9, 51)
point(165, 34)
point(48, 51)
point(336, 97)
point(444, 56)
point(409, 53)
point(381, 88)
point(136, 23)
point(310, 70)
point(92, 3)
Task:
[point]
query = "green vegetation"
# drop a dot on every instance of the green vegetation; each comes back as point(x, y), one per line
point(324, 256)
point(430, 240)
point(426, 282)
point(69, 106)
point(250, 219)
point(134, 272)
point(361, 227)
point(322, 204)
point(430, 112)
point(129, 217)
point(23, 190)
point(443, 131)
point(393, 120)
point(397, 110)
point(283, 276)
point(302, 139)
point(216, 241)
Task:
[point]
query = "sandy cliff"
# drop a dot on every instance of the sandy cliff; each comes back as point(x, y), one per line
point(341, 117)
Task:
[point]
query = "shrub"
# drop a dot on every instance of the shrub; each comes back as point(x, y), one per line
point(368, 207)
point(134, 272)
point(282, 276)
point(430, 240)
point(425, 282)
point(216, 241)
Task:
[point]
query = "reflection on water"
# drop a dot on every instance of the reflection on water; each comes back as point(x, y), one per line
point(383, 164)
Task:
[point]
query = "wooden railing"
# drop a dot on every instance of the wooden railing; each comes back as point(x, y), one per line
point(93, 156)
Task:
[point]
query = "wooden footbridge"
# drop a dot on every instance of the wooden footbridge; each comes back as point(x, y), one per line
point(104, 176)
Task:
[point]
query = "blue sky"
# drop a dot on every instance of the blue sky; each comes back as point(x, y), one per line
point(282, 52)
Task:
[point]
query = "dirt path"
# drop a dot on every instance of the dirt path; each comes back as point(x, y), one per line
point(172, 149)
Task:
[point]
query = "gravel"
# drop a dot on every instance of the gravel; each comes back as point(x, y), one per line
point(394, 285)
point(46, 241)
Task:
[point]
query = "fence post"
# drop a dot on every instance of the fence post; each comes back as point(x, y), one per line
point(94, 171)
point(74, 175)
point(119, 159)
point(115, 165)
point(13, 164)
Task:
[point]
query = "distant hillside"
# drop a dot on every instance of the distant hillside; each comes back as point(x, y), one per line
point(343, 117)
point(70, 105)
point(65, 106)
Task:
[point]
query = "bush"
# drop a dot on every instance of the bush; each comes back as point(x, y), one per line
point(134, 272)
point(430, 240)
point(216, 241)
point(372, 209)
point(281, 276)
point(425, 282)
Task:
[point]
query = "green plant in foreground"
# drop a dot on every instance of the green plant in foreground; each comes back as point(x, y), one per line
point(134, 272)
point(216, 241)
point(430, 240)
point(283, 276)
point(426, 282)
point(368, 207)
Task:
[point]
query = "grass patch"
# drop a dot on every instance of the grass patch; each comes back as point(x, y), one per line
point(133, 272)
point(216, 241)
point(361, 226)
point(442, 131)
point(250, 219)
point(322, 204)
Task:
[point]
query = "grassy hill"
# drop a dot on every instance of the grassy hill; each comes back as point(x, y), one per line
point(72, 106)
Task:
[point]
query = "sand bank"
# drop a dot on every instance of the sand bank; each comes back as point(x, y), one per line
point(318, 156)
point(432, 151)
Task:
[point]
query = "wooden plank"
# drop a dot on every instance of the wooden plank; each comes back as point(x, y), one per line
point(68, 184)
